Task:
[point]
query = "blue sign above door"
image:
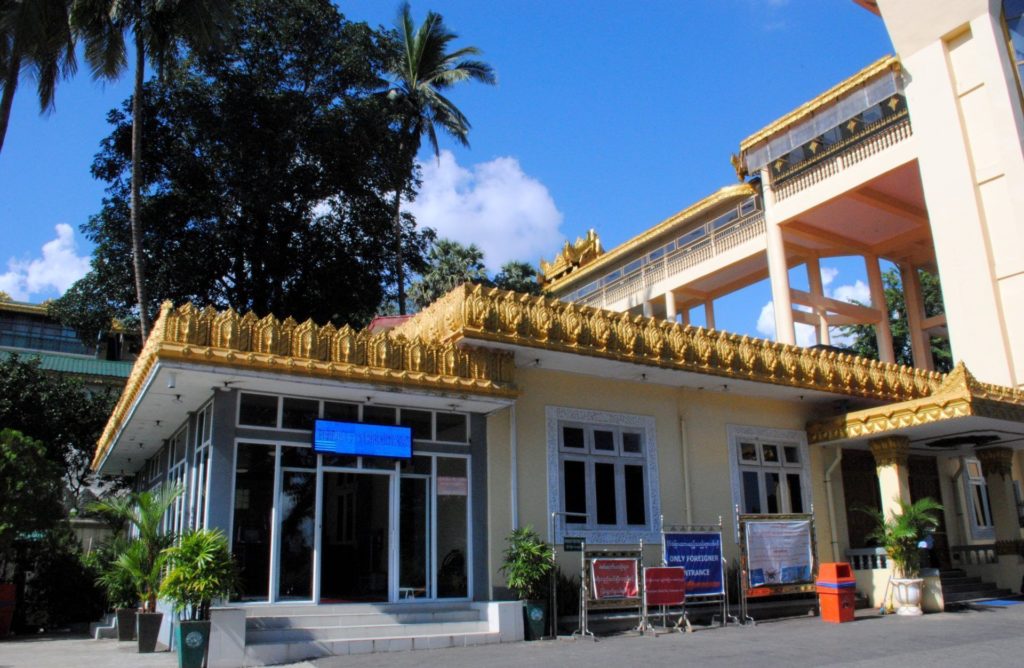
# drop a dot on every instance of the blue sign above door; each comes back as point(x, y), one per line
point(356, 438)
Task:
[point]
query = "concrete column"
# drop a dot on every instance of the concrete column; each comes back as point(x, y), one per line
point(670, 306)
point(882, 332)
point(709, 314)
point(778, 272)
point(920, 344)
point(818, 290)
point(891, 454)
point(648, 309)
point(684, 316)
point(997, 465)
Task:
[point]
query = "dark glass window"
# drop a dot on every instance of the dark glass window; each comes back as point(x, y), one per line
point(254, 504)
point(631, 443)
point(299, 413)
point(258, 410)
point(636, 512)
point(341, 412)
point(771, 484)
point(452, 427)
point(572, 437)
point(796, 498)
point(378, 415)
point(298, 457)
point(575, 484)
point(604, 489)
point(751, 492)
point(421, 423)
point(604, 440)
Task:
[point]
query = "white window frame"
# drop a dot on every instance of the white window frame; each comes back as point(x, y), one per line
point(618, 423)
point(175, 519)
point(782, 438)
point(973, 484)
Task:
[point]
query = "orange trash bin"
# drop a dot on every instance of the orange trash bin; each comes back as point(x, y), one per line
point(836, 591)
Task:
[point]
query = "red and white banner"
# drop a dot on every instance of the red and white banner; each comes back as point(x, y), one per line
point(614, 578)
point(665, 585)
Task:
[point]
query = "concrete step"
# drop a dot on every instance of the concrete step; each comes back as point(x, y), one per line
point(285, 609)
point(952, 588)
point(290, 635)
point(320, 619)
point(952, 573)
point(291, 652)
point(975, 595)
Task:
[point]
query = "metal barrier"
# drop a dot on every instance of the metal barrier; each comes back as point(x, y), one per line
point(698, 549)
point(594, 594)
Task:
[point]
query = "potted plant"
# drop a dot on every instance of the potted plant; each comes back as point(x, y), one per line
point(144, 559)
point(200, 570)
point(901, 534)
point(118, 584)
point(527, 564)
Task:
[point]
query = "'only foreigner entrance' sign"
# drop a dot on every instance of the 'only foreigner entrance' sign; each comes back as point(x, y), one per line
point(614, 578)
point(700, 553)
point(665, 585)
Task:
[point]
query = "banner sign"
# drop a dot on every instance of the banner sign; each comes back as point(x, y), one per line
point(779, 552)
point(700, 553)
point(665, 585)
point(614, 578)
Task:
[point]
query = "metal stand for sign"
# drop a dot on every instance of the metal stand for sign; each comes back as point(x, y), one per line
point(692, 600)
point(746, 591)
point(645, 622)
point(586, 602)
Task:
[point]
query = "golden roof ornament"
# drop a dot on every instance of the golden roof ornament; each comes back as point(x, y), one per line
point(572, 257)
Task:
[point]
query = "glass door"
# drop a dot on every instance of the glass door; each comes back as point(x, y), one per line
point(355, 550)
point(414, 538)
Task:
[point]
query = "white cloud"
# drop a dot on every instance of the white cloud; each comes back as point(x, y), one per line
point(858, 292)
point(828, 274)
point(495, 205)
point(55, 271)
point(805, 335)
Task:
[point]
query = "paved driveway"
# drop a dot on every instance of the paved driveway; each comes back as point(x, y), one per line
point(983, 638)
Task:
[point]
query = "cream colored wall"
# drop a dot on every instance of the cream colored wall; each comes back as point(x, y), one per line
point(959, 76)
point(706, 415)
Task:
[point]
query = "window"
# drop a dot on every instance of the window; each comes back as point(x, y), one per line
point(201, 466)
point(606, 472)
point(770, 470)
point(979, 510)
point(175, 519)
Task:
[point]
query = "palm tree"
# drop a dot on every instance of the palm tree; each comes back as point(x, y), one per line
point(158, 27)
point(34, 36)
point(145, 558)
point(449, 264)
point(423, 69)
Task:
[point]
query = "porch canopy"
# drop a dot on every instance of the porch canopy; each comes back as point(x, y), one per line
point(193, 353)
point(961, 416)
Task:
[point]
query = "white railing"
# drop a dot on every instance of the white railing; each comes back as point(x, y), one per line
point(859, 150)
point(974, 555)
point(868, 559)
point(701, 250)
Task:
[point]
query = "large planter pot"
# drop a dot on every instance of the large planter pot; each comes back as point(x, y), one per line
point(8, 593)
point(148, 628)
point(193, 641)
point(125, 623)
point(908, 596)
point(535, 619)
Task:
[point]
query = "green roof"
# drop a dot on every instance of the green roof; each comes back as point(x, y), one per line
point(82, 366)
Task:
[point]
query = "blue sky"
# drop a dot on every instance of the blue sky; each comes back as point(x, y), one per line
point(606, 115)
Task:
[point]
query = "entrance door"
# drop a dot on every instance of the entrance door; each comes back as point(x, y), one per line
point(414, 562)
point(355, 540)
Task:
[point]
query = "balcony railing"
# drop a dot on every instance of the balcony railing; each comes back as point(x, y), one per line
point(701, 250)
point(973, 555)
point(863, 147)
point(868, 559)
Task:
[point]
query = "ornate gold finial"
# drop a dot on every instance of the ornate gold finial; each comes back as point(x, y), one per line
point(890, 450)
point(572, 257)
point(996, 461)
point(4, 297)
point(739, 166)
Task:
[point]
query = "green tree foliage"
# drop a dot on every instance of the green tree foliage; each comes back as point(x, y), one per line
point(267, 173)
point(158, 28)
point(201, 570)
point(57, 411)
point(449, 264)
point(527, 562)
point(30, 495)
point(518, 277)
point(421, 71)
point(862, 337)
point(35, 36)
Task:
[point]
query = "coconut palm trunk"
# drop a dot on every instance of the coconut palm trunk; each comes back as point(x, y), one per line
point(10, 85)
point(137, 260)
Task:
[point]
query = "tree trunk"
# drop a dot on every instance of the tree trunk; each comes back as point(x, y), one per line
point(399, 260)
point(7, 101)
point(140, 291)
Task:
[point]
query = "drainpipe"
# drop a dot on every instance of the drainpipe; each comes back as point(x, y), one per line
point(831, 501)
point(686, 471)
point(514, 451)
